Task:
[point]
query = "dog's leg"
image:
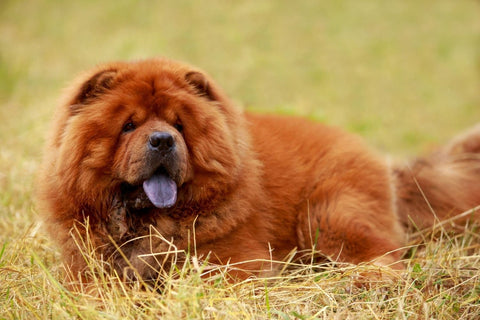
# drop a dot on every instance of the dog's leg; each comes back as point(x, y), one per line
point(354, 227)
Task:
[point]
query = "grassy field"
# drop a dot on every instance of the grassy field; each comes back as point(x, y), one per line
point(404, 74)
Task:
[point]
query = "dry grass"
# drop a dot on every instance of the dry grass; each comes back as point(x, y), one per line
point(403, 74)
point(441, 282)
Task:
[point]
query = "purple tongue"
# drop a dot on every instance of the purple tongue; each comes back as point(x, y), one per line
point(161, 190)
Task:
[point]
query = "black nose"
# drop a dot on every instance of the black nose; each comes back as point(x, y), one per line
point(161, 141)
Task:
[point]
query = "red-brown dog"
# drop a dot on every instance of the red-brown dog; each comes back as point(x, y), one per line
point(155, 156)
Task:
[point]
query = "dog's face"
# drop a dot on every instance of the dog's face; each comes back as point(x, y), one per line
point(151, 152)
point(159, 133)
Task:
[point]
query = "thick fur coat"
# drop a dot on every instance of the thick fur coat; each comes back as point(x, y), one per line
point(151, 158)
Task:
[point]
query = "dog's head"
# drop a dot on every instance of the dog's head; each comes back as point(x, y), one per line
point(158, 132)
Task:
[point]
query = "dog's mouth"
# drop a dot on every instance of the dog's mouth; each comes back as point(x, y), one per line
point(159, 190)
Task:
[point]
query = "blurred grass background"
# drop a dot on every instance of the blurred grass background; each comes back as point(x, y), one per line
point(401, 73)
point(404, 74)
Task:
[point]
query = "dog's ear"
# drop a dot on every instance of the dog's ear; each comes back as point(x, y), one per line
point(91, 89)
point(201, 84)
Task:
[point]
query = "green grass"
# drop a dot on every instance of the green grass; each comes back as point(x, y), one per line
point(403, 74)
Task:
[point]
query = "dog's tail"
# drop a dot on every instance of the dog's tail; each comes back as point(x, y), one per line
point(443, 185)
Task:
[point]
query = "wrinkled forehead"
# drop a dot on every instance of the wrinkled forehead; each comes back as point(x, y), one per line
point(150, 89)
point(147, 80)
point(160, 88)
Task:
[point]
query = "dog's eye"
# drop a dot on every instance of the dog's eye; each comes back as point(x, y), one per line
point(179, 127)
point(129, 126)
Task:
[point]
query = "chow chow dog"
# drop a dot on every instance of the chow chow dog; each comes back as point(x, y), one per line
point(150, 159)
